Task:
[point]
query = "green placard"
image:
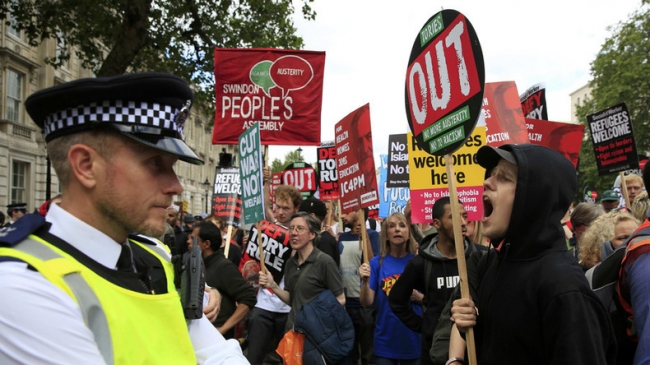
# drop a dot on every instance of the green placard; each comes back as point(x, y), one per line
point(250, 170)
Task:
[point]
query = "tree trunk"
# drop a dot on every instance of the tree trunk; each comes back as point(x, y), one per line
point(131, 39)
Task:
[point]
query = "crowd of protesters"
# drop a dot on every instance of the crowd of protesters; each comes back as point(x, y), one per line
point(402, 305)
point(549, 283)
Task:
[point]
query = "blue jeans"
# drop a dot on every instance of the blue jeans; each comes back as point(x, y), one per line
point(387, 361)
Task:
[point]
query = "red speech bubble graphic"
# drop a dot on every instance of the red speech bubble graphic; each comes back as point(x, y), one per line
point(291, 73)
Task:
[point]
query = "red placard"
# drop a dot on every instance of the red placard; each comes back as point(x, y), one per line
point(504, 117)
point(444, 83)
point(566, 138)
point(533, 102)
point(275, 241)
point(328, 185)
point(355, 161)
point(282, 90)
point(302, 176)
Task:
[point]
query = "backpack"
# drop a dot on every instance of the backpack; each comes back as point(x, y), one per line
point(604, 284)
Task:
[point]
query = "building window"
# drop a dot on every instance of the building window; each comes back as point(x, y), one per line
point(14, 95)
point(19, 182)
point(61, 50)
point(11, 29)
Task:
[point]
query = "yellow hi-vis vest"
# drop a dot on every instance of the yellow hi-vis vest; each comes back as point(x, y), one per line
point(129, 327)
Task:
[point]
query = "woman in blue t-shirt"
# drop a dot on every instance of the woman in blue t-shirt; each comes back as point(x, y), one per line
point(394, 343)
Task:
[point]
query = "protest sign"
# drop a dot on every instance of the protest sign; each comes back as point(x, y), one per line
point(276, 180)
point(429, 179)
point(589, 194)
point(226, 195)
point(613, 139)
point(566, 138)
point(504, 117)
point(328, 184)
point(250, 169)
point(442, 106)
point(398, 162)
point(533, 102)
point(643, 159)
point(302, 176)
point(281, 90)
point(275, 243)
point(355, 161)
point(391, 200)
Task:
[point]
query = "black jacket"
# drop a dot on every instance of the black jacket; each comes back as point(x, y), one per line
point(222, 274)
point(443, 278)
point(535, 305)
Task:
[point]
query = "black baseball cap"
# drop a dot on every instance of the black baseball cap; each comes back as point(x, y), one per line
point(488, 157)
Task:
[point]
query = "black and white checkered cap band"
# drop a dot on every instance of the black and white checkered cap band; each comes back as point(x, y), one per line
point(116, 111)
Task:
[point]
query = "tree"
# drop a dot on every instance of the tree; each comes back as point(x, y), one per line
point(620, 74)
point(289, 158)
point(112, 37)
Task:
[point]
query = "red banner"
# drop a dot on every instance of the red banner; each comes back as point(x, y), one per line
point(282, 90)
point(566, 138)
point(504, 117)
point(355, 161)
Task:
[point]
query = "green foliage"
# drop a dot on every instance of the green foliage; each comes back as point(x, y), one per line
point(289, 158)
point(179, 36)
point(620, 73)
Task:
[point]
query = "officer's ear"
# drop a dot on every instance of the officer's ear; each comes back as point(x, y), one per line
point(83, 162)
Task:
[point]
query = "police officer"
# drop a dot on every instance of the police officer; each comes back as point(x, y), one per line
point(75, 287)
point(15, 211)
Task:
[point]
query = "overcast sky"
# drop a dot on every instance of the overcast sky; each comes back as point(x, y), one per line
point(368, 43)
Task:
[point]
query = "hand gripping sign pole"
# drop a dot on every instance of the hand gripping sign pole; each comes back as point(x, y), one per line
point(460, 251)
point(445, 81)
point(364, 241)
point(624, 190)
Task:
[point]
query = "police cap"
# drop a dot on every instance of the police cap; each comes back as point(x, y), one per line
point(17, 206)
point(150, 108)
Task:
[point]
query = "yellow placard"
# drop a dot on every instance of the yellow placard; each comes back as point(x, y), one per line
point(429, 172)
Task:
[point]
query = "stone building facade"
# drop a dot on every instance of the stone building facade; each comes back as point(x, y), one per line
point(23, 157)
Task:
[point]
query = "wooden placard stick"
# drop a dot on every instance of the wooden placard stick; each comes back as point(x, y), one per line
point(363, 238)
point(227, 246)
point(340, 220)
point(624, 190)
point(460, 252)
point(259, 246)
point(328, 217)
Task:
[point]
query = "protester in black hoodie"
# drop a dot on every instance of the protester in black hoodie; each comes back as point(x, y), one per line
point(534, 305)
point(433, 272)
